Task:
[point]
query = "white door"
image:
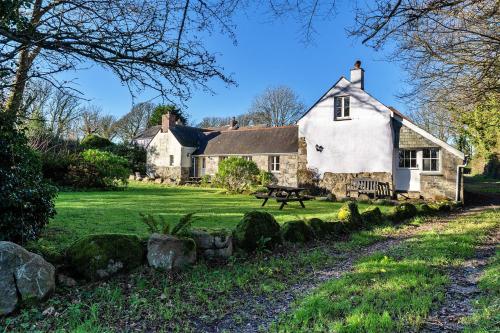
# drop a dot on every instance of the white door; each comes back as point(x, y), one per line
point(408, 170)
point(203, 165)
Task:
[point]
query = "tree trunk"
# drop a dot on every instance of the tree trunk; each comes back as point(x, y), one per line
point(15, 99)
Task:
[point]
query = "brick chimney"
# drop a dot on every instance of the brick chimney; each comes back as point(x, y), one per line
point(358, 75)
point(167, 121)
point(233, 124)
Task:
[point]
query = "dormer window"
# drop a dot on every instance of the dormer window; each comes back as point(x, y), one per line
point(342, 108)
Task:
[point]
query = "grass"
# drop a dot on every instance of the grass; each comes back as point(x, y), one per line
point(83, 213)
point(486, 316)
point(392, 291)
point(149, 300)
point(481, 184)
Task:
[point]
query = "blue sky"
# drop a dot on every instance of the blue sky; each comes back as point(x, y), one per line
point(268, 52)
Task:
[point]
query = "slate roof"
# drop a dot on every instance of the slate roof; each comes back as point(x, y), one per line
point(269, 140)
point(188, 136)
point(148, 133)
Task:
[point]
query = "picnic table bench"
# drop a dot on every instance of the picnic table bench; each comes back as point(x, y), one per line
point(367, 186)
point(283, 195)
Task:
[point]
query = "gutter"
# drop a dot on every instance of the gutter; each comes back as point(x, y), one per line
point(457, 185)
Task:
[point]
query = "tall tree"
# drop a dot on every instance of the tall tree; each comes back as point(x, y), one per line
point(146, 43)
point(134, 122)
point(89, 121)
point(277, 106)
point(160, 110)
point(107, 127)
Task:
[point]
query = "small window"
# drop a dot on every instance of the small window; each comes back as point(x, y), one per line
point(222, 158)
point(171, 162)
point(203, 162)
point(248, 158)
point(275, 163)
point(342, 107)
point(430, 159)
point(407, 158)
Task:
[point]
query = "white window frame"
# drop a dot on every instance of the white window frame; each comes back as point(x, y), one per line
point(274, 163)
point(171, 160)
point(437, 159)
point(409, 158)
point(342, 108)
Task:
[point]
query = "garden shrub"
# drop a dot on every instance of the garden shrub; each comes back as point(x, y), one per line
point(266, 178)
point(403, 212)
point(26, 200)
point(444, 206)
point(56, 165)
point(257, 229)
point(94, 141)
point(372, 216)
point(135, 156)
point(97, 257)
point(349, 214)
point(296, 232)
point(112, 169)
point(206, 181)
point(236, 174)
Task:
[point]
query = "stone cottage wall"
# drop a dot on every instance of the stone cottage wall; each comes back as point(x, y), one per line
point(433, 185)
point(286, 176)
point(174, 175)
point(443, 184)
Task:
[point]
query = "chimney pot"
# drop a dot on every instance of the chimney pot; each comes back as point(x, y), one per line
point(233, 124)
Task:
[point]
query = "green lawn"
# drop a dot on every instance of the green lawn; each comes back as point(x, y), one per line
point(396, 290)
point(83, 213)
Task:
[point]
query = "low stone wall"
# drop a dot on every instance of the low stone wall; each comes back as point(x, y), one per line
point(336, 182)
point(174, 175)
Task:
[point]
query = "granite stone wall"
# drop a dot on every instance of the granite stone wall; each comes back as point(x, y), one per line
point(435, 186)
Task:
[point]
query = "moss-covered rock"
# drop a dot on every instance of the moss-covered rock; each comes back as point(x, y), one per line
point(372, 216)
point(403, 212)
point(349, 214)
point(98, 257)
point(296, 232)
point(257, 229)
point(317, 226)
point(336, 229)
point(425, 209)
point(444, 207)
point(167, 252)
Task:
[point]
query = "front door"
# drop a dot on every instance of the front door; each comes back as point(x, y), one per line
point(408, 170)
point(203, 165)
point(194, 166)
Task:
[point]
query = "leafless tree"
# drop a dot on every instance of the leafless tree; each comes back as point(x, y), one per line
point(146, 43)
point(245, 119)
point(89, 120)
point(134, 122)
point(451, 48)
point(107, 127)
point(277, 106)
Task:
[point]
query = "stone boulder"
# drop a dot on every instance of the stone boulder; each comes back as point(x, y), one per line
point(24, 277)
point(213, 244)
point(297, 232)
point(349, 214)
point(257, 229)
point(372, 216)
point(403, 212)
point(168, 252)
point(98, 257)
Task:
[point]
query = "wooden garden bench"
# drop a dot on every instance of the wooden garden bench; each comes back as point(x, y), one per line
point(363, 186)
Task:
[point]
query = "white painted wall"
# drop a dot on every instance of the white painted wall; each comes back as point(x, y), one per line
point(362, 144)
point(161, 147)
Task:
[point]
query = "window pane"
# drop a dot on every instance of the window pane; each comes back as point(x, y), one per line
point(426, 153)
point(413, 163)
point(434, 153)
point(338, 112)
point(434, 165)
point(426, 165)
point(346, 106)
point(413, 153)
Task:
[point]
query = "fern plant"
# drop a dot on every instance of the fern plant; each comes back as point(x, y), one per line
point(160, 226)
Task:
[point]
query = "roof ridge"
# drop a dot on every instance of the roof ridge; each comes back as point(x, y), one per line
point(242, 129)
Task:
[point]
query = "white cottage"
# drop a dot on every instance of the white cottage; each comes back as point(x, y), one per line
point(346, 134)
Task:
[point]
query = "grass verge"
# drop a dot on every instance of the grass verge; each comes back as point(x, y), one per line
point(391, 291)
point(486, 316)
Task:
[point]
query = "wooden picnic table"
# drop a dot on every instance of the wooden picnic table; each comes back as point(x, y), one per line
point(283, 194)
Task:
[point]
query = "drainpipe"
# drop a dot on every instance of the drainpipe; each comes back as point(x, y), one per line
point(457, 185)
